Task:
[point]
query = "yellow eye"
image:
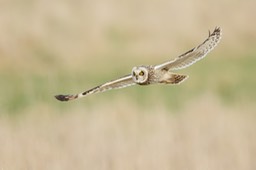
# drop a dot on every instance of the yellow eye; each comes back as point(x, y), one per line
point(141, 73)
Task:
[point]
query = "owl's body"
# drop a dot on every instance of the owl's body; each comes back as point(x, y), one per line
point(158, 74)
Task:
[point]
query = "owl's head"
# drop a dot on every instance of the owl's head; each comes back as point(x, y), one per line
point(140, 74)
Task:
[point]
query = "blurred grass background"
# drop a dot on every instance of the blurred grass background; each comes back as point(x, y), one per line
point(51, 47)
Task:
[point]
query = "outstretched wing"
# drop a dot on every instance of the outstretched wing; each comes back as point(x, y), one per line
point(114, 84)
point(194, 54)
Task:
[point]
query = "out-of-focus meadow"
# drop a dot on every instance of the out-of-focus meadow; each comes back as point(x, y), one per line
point(51, 47)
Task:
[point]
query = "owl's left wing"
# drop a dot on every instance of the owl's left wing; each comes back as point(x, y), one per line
point(114, 84)
point(195, 54)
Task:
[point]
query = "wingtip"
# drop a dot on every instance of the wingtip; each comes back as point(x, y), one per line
point(63, 97)
point(217, 30)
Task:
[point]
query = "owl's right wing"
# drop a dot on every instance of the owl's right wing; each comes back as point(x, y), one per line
point(122, 82)
point(195, 54)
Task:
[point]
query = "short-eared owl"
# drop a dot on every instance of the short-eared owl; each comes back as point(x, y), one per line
point(158, 74)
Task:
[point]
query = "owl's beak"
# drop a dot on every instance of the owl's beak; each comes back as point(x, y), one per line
point(136, 77)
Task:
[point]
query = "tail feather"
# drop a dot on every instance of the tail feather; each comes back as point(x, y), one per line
point(172, 78)
point(177, 78)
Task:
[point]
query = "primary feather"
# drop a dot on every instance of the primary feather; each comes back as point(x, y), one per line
point(195, 54)
point(114, 84)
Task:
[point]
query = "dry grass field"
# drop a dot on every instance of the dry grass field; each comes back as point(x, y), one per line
point(51, 47)
point(118, 135)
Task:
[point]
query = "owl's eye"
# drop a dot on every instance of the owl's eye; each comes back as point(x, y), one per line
point(141, 73)
point(133, 73)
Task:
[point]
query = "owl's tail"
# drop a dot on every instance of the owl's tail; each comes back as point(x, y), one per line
point(173, 78)
point(178, 78)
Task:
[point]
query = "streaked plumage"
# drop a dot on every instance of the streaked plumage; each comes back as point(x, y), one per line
point(159, 74)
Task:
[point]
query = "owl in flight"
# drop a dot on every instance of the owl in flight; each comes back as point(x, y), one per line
point(156, 74)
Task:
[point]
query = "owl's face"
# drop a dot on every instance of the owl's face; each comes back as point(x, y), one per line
point(140, 74)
